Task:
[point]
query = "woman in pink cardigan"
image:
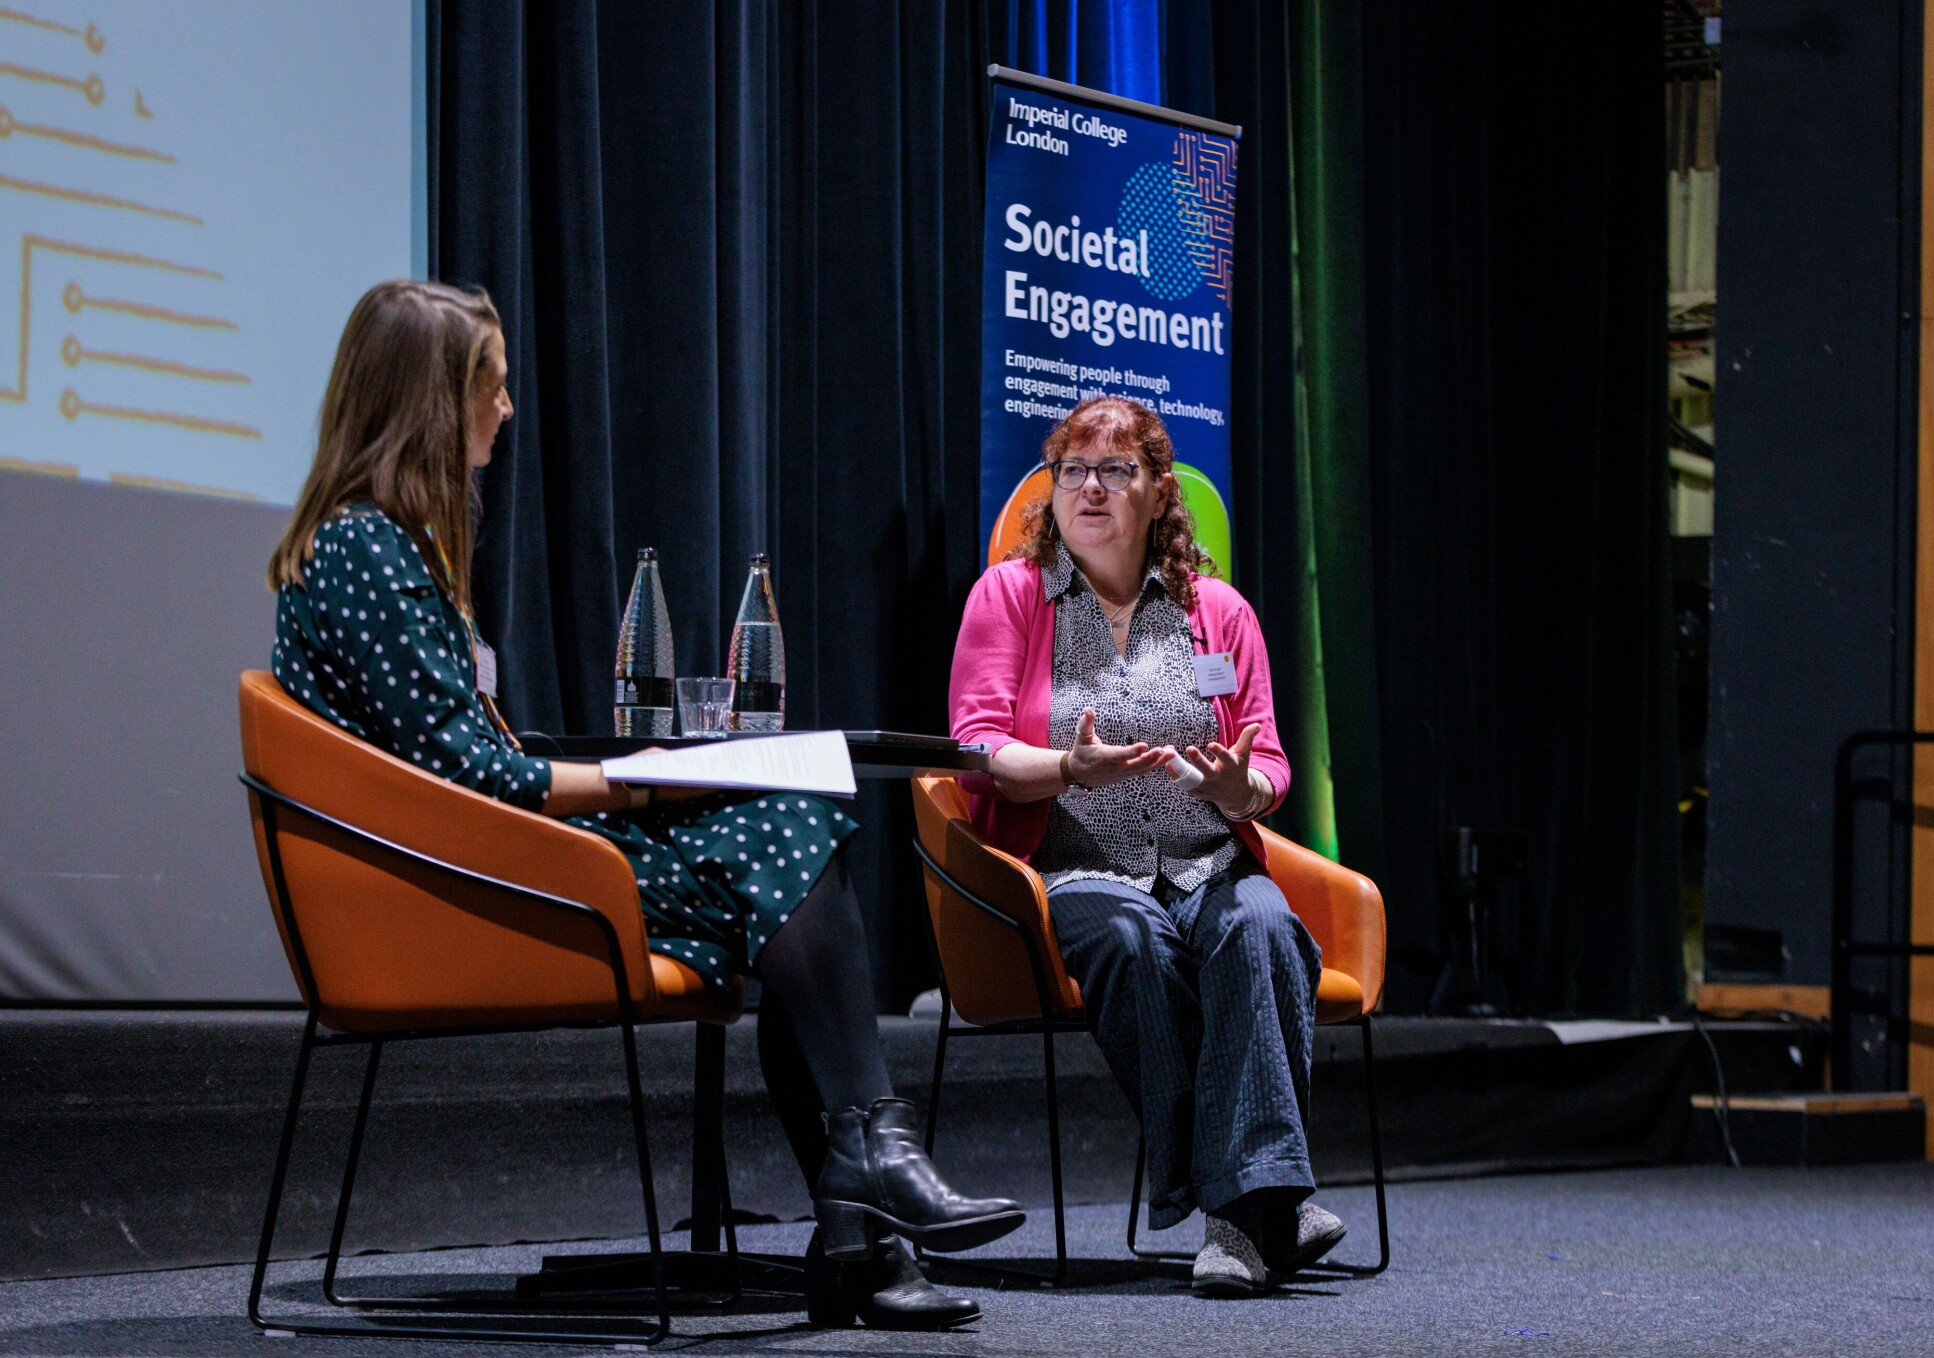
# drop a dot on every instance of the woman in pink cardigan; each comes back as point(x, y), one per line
point(1124, 695)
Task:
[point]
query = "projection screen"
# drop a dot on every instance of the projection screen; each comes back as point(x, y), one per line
point(194, 195)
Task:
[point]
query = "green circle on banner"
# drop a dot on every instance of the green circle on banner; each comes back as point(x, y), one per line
point(1204, 501)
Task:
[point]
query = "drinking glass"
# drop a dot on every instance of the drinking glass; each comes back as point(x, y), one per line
point(705, 707)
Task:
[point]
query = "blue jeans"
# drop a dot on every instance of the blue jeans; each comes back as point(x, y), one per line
point(1204, 1004)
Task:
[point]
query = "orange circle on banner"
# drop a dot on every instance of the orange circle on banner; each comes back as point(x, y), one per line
point(1010, 522)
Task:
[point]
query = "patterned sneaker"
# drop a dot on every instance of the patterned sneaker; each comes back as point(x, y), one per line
point(1317, 1233)
point(1229, 1264)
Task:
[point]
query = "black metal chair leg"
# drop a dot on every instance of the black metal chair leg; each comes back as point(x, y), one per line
point(1054, 1158)
point(933, 1090)
point(1376, 1149)
point(637, 1094)
point(279, 1178)
point(1060, 1273)
point(700, 1278)
point(398, 1327)
point(1376, 1168)
point(939, 1065)
point(349, 1176)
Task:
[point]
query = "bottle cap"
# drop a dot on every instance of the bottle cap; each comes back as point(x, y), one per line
point(647, 554)
point(761, 559)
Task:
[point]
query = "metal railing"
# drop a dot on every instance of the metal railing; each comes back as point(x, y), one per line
point(1845, 946)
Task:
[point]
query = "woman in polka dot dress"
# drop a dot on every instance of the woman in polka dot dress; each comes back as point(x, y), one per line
point(374, 632)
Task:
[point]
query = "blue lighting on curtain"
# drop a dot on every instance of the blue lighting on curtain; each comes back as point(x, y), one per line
point(1112, 45)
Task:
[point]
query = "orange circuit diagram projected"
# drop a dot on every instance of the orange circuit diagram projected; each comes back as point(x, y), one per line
point(190, 234)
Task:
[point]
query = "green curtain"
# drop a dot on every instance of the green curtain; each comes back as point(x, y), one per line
point(1325, 59)
point(1291, 76)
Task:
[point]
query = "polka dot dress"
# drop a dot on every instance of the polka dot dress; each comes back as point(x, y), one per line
point(719, 876)
point(369, 642)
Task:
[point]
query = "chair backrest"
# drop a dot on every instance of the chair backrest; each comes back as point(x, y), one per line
point(986, 962)
point(1342, 909)
point(379, 941)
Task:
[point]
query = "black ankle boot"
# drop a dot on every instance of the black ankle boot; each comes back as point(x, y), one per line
point(885, 1292)
point(876, 1172)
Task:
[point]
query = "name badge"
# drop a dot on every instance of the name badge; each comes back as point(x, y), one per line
point(1215, 674)
point(487, 671)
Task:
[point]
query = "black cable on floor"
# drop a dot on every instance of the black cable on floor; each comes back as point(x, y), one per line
point(1721, 1104)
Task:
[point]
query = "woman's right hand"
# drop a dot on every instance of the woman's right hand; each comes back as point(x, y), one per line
point(583, 790)
point(1092, 764)
point(651, 794)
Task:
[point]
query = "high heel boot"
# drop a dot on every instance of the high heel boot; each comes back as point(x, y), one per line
point(886, 1291)
point(876, 1172)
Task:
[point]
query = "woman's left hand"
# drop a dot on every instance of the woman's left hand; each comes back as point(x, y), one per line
point(1225, 771)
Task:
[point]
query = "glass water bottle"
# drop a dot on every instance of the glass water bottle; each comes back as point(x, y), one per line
point(643, 700)
point(758, 658)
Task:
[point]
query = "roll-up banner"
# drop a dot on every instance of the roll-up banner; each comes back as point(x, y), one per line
point(1110, 250)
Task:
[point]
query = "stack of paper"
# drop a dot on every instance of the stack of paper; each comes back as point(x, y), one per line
point(810, 761)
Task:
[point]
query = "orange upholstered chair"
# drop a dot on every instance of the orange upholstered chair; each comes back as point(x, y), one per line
point(412, 908)
point(1001, 967)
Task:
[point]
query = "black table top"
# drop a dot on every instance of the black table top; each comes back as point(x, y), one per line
point(875, 754)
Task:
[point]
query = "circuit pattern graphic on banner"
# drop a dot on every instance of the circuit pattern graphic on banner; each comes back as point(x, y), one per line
point(1109, 253)
point(1205, 167)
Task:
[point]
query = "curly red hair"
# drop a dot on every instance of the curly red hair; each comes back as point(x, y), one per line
point(1118, 425)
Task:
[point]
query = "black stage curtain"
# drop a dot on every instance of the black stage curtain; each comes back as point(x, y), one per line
point(736, 248)
point(1514, 221)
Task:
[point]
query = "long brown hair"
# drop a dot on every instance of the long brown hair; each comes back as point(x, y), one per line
point(395, 425)
point(1116, 424)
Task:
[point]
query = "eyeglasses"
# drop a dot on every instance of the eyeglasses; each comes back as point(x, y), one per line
point(1072, 473)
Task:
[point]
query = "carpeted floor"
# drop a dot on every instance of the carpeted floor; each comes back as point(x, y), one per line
point(1639, 1262)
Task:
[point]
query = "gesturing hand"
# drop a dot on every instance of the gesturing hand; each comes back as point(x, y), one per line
point(1225, 771)
point(1093, 764)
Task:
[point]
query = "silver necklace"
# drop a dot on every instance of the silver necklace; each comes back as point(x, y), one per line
point(1117, 620)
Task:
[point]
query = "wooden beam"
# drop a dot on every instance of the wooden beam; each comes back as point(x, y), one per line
point(1809, 1001)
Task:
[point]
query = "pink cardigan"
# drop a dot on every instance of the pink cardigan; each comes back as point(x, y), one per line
point(1004, 666)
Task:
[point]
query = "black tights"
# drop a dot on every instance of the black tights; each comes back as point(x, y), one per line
point(819, 1042)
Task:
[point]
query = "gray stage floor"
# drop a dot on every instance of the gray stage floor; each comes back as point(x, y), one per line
point(1661, 1261)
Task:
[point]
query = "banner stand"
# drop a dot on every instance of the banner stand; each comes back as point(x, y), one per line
point(1109, 254)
